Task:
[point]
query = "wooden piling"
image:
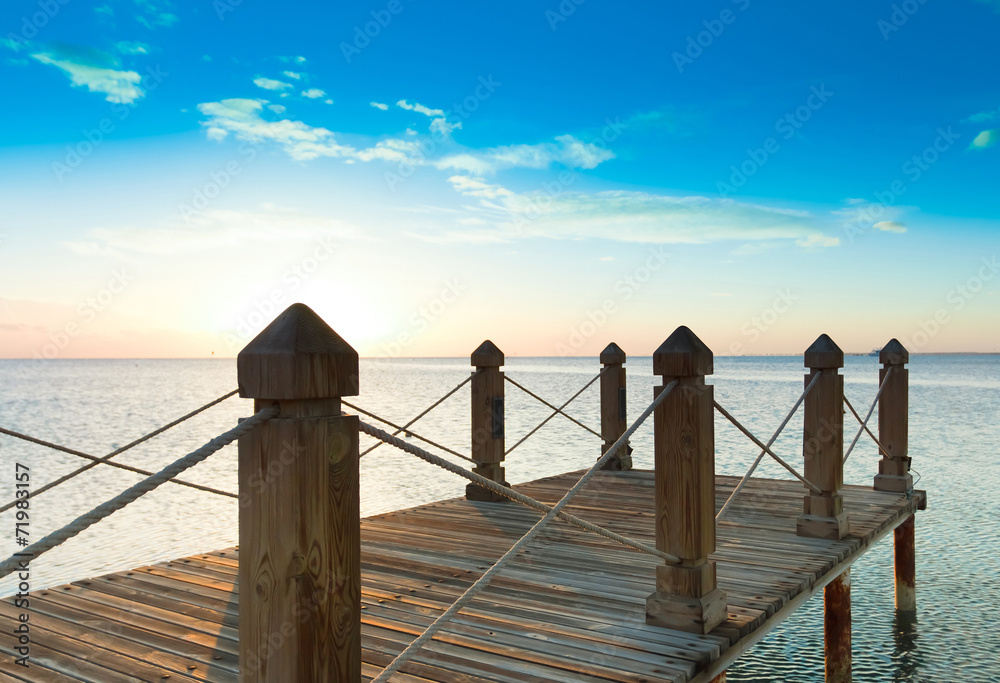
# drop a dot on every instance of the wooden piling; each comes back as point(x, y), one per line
point(823, 443)
point(904, 538)
point(613, 416)
point(837, 628)
point(487, 420)
point(300, 541)
point(894, 465)
point(687, 596)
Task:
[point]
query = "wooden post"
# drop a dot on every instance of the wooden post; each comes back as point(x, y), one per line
point(300, 539)
point(687, 596)
point(837, 628)
point(893, 420)
point(823, 443)
point(613, 416)
point(894, 466)
point(487, 420)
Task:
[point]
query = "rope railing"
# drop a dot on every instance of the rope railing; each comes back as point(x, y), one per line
point(133, 493)
point(555, 412)
point(882, 449)
point(410, 651)
point(774, 437)
point(558, 410)
point(106, 460)
point(400, 429)
point(760, 444)
point(864, 423)
point(429, 409)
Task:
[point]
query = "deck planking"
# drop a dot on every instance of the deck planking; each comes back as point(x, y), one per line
point(570, 609)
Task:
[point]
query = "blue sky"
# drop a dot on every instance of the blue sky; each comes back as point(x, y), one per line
point(553, 176)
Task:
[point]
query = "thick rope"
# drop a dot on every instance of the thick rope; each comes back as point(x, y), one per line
point(760, 444)
point(407, 654)
point(864, 423)
point(429, 409)
point(884, 451)
point(774, 437)
point(558, 411)
point(131, 494)
point(510, 493)
point(106, 460)
point(399, 429)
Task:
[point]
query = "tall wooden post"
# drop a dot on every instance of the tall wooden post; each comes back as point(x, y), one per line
point(487, 420)
point(300, 540)
point(837, 628)
point(613, 416)
point(687, 596)
point(894, 466)
point(823, 443)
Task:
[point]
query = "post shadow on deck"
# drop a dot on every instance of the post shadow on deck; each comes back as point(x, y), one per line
point(300, 532)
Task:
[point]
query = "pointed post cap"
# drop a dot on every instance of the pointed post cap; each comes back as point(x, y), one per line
point(824, 353)
point(612, 354)
point(487, 355)
point(682, 355)
point(894, 353)
point(297, 356)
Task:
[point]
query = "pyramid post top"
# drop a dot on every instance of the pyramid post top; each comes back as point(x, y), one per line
point(824, 354)
point(683, 354)
point(297, 356)
point(612, 353)
point(894, 353)
point(487, 356)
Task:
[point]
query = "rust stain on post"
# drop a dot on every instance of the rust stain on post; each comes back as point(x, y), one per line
point(906, 567)
point(837, 628)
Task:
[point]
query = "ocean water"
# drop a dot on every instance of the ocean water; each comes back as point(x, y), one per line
point(98, 405)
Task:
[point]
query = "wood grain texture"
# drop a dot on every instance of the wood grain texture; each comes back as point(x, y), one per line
point(571, 609)
point(614, 420)
point(837, 628)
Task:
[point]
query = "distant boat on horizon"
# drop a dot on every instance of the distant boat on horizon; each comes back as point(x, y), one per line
point(875, 352)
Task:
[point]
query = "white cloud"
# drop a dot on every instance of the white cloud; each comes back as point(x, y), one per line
point(393, 150)
point(217, 134)
point(443, 127)
point(127, 47)
point(271, 84)
point(419, 108)
point(293, 74)
point(120, 86)
point(984, 116)
point(890, 226)
point(278, 109)
point(635, 217)
point(155, 14)
point(566, 150)
point(327, 101)
point(379, 105)
point(242, 117)
point(985, 139)
point(313, 93)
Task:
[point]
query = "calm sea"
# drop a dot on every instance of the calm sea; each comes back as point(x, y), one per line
point(98, 405)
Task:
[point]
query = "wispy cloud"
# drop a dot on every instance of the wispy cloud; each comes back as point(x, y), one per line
point(293, 60)
point(630, 216)
point(271, 84)
point(313, 93)
point(890, 226)
point(566, 150)
point(985, 116)
point(419, 108)
point(986, 138)
point(154, 14)
point(379, 105)
point(127, 47)
point(95, 70)
point(293, 75)
point(242, 118)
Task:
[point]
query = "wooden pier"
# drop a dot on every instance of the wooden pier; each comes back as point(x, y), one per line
point(325, 599)
point(571, 609)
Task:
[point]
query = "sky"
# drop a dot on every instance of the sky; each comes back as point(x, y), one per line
point(551, 175)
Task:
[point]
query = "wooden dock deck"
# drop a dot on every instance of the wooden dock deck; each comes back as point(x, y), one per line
point(571, 609)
